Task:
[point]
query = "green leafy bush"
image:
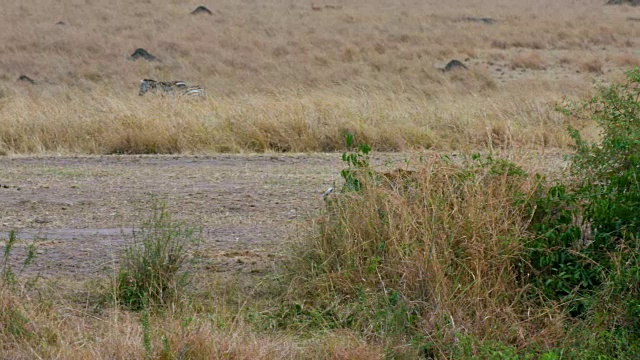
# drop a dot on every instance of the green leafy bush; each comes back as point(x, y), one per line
point(586, 252)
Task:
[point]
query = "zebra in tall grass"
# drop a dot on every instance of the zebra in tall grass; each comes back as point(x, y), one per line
point(169, 87)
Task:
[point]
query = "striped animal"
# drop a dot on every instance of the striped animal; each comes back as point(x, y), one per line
point(169, 87)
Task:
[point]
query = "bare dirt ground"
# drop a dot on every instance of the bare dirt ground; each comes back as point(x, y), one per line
point(80, 211)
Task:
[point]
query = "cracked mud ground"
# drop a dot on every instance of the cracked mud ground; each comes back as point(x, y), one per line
point(80, 210)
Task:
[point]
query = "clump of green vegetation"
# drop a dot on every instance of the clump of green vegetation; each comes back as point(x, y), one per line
point(152, 270)
point(586, 252)
point(357, 164)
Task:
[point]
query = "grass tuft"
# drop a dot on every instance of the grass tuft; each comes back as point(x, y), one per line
point(152, 271)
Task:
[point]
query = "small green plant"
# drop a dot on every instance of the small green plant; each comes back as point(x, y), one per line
point(9, 277)
point(358, 164)
point(471, 348)
point(561, 269)
point(14, 322)
point(496, 166)
point(152, 270)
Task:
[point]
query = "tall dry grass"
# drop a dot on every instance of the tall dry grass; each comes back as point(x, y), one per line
point(33, 327)
point(435, 250)
point(279, 69)
point(101, 123)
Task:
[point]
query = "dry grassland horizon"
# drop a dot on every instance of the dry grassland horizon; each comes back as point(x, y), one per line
point(281, 76)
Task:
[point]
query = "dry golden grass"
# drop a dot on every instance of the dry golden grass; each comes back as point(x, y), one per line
point(48, 327)
point(593, 65)
point(97, 123)
point(446, 239)
point(283, 70)
point(533, 61)
point(626, 60)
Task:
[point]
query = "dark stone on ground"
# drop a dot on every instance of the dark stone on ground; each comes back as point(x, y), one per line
point(61, 23)
point(26, 79)
point(454, 65)
point(623, 2)
point(635, 19)
point(484, 20)
point(141, 53)
point(201, 10)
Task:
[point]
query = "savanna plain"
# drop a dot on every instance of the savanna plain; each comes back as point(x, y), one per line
point(467, 218)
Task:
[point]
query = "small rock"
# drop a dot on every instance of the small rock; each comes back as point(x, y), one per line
point(484, 20)
point(61, 23)
point(26, 79)
point(623, 2)
point(201, 10)
point(141, 53)
point(454, 65)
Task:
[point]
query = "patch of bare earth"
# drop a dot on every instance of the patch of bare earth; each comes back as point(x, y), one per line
point(82, 210)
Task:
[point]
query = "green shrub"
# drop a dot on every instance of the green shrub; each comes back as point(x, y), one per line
point(152, 270)
point(583, 228)
point(610, 168)
point(562, 266)
point(586, 252)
